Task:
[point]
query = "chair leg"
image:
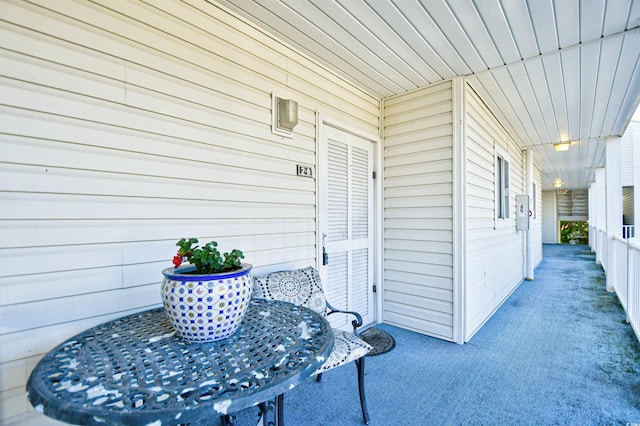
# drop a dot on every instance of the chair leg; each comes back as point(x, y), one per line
point(280, 410)
point(363, 402)
point(319, 377)
point(272, 412)
point(227, 420)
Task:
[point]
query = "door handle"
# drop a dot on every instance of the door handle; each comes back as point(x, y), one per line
point(325, 256)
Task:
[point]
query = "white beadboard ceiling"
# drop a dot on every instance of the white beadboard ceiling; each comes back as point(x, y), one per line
point(551, 70)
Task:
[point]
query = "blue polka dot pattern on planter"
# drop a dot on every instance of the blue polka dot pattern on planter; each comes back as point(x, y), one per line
point(206, 307)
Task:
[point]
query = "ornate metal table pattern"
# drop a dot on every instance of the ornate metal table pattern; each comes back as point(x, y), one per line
point(135, 371)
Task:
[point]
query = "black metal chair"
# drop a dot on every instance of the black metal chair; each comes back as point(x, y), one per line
point(303, 287)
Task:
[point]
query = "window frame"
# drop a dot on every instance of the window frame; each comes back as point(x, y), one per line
point(502, 194)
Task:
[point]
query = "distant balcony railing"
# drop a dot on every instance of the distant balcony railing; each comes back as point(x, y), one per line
point(624, 251)
point(627, 278)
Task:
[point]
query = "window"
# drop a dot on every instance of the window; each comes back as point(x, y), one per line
point(502, 187)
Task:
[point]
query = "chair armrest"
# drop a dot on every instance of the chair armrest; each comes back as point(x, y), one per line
point(356, 322)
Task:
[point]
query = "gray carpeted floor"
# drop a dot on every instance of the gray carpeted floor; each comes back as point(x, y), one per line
point(558, 352)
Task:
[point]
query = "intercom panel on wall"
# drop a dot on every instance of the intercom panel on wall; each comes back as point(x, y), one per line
point(522, 212)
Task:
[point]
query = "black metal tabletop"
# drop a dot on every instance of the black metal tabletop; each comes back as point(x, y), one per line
point(135, 370)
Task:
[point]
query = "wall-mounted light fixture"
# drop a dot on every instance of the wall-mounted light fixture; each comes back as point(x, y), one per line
point(284, 115)
point(287, 114)
point(563, 146)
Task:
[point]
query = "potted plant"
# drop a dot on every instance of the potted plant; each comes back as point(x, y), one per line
point(207, 298)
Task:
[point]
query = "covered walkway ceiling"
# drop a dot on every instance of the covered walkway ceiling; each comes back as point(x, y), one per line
point(551, 70)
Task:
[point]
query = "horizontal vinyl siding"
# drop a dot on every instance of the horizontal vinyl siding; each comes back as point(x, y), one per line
point(627, 205)
point(124, 127)
point(536, 223)
point(580, 203)
point(549, 218)
point(572, 205)
point(626, 157)
point(494, 249)
point(418, 239)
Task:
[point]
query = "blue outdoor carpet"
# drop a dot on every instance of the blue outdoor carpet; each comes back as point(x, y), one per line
point(558, 352)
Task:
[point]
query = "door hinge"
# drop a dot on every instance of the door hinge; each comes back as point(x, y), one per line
point(375, 288)
point(373, 174)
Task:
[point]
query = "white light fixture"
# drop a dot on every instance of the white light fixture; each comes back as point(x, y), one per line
point(563, 146)
point(284, 116)
point(287, 114)
point(557, 184)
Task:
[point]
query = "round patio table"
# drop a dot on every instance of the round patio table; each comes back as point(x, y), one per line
point(135, 370)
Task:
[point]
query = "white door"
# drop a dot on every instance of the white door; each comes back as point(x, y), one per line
point(346, 223)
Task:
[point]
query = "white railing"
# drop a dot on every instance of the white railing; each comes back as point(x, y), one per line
point(620, 253)
point(628, 231)
point(601, 249)
point(627, 278)
point(632, 305)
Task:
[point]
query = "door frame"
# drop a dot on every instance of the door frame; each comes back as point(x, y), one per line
point(323, 120)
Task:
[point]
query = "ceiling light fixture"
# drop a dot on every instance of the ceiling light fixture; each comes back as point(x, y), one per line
point(563, 146)
point(557, 184)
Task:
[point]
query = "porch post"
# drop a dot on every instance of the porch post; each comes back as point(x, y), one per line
point(460, 209)
point(634, 127)
point(529, 243)
point(600, 216)
point(613, 205)
point(591, 215)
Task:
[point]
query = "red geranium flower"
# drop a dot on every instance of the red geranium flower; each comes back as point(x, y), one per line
point(177, 260)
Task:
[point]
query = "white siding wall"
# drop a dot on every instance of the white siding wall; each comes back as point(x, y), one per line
point(627, 205)
point(627, 174)
point(565, 206)
point(634, 129)
point(417, 228)
point(572, 205)
point(626, 156)
point(124, 127)
point(580, 203)
point(536, 227)
point(495, 250)
point(549, 218)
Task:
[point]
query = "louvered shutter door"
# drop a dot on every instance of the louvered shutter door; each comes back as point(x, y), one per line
point(336, 287)
point(349, 216)
point(360, 202)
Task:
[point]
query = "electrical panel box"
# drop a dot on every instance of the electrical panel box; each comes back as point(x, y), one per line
point(522, 213)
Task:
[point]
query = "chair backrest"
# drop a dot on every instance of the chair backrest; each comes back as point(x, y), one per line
point(298, 286)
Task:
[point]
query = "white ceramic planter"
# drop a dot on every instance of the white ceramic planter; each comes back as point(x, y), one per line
point(206, 307)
